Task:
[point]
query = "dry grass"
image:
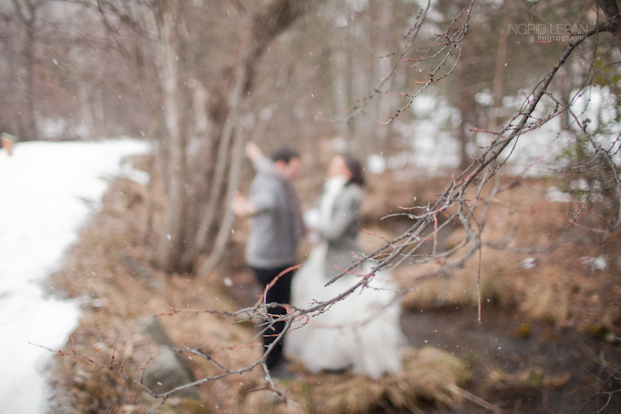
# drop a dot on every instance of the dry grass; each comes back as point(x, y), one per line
point(117, 300)
point(552, 282)
point(529, 378)
point(427, 376)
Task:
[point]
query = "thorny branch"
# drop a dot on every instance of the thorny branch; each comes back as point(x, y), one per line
point(614, 375)
point(447, 40)
point(454, 194)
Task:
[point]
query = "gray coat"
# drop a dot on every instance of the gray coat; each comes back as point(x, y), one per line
point(272, 241)
point(341, 233)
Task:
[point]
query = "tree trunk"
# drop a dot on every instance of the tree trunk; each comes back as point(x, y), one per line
point(613, 25)
point(265, 27)
point(229, 218)
point(31, 123)
point(501, 56)
point(360, 71)
point(171, 239)
point(340, 69)
point(86, 109)
point(382, 67)
point(27, 12)
point(466, 104)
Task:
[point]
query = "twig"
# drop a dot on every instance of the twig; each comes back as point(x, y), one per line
point(471, 397)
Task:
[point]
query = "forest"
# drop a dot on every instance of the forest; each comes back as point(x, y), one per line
point(490, 134)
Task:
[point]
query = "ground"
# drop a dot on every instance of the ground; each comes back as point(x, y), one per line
point(518, 364)
point(547, 340)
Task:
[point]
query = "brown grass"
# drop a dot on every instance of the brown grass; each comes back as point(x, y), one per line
point(426, 377)
point(559, 288)
point(528, 379)
point(117, 300)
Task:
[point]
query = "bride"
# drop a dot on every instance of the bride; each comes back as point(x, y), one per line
point(360, 333)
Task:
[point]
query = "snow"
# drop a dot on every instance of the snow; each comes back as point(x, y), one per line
point(46, 193)
point(433, 133)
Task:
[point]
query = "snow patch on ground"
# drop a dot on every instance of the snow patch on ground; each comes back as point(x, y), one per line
point(47, 191)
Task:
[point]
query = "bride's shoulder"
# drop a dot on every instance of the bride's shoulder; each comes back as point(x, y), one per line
point(354, 190)
point(351, 193)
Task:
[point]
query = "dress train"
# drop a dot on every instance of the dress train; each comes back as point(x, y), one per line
point(361, 332)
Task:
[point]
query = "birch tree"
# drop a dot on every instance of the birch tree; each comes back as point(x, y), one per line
point(28, 14)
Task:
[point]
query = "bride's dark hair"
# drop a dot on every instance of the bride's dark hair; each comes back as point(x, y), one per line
point(355, 168)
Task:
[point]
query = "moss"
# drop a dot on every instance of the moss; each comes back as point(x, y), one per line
point(470, 357)
point(522, 331)
point(596, 330)
point(549, 336)
point(533, 378)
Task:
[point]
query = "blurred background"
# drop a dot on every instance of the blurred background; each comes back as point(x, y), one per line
point(417, 90)
point(322, 76)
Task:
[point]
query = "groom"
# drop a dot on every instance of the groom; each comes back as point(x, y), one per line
point(276, 228)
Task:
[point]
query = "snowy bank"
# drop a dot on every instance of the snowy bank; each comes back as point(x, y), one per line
point(47, 192)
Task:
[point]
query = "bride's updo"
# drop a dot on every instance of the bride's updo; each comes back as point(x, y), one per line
point(355, 168)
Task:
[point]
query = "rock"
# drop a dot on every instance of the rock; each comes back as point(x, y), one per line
point(167, 370)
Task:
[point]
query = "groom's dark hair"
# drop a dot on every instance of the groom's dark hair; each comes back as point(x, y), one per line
point(285, 154)
point(355, 168)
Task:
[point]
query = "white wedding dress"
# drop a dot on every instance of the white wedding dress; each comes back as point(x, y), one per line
point(360, 333)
